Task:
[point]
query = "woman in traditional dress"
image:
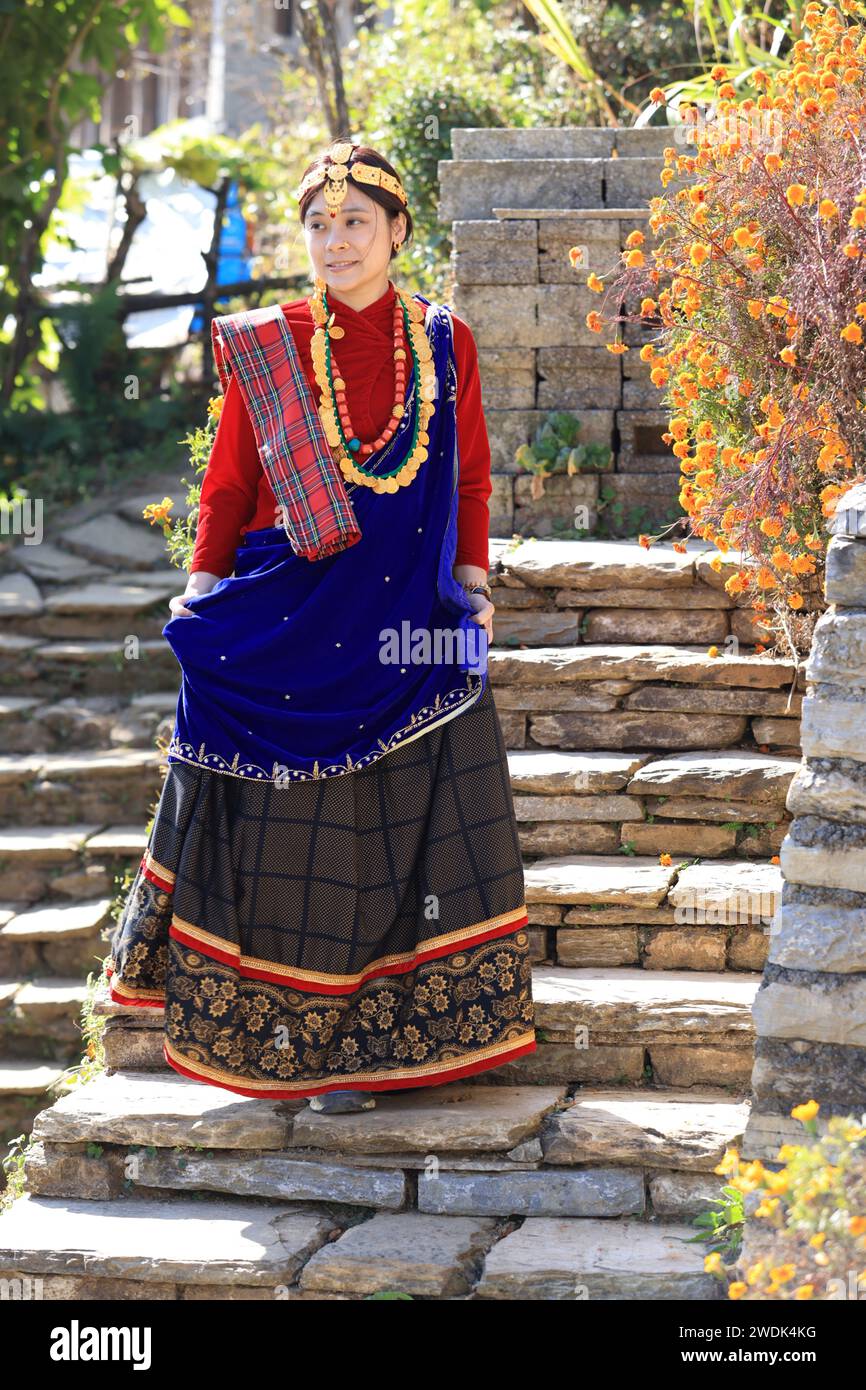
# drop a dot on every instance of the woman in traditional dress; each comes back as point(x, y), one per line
point(331, 902)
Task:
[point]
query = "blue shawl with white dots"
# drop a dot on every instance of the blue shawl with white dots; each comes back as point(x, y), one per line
point(293, 669)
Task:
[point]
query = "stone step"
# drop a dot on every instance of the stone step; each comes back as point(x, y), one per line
point(77, 861)
point(87, 665)
point(41, 1015)
point(468, 1127)
point(85, 721)
point(56, 938)
point(84, 785)
point(237, 1249)
point(558, 142)
point(602, 1025)
point(715, 802)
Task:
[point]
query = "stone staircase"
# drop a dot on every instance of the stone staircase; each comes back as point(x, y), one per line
point(573, 1171)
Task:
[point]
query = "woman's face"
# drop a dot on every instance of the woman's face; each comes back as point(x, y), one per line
point(353, 249)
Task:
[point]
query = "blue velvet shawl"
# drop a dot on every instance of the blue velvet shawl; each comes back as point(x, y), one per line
point(295, 668)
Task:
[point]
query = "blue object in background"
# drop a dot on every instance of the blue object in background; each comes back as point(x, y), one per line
point(233, 263)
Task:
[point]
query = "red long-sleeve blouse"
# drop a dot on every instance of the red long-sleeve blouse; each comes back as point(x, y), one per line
point(236, 495)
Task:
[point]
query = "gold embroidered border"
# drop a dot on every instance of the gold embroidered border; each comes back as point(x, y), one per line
point(464, 935)
point(492, 1052)
point(159, 869)
point(174, 751)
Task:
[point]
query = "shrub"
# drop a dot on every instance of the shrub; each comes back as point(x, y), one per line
point(758, 289)
point(810, 1213)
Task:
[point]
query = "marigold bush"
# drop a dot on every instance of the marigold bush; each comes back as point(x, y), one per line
point(813, 1210)
point(757, 284)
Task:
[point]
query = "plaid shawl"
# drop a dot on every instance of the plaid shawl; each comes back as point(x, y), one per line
point(257, 346)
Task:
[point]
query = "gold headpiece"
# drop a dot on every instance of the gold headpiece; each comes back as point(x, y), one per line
point(337, 173)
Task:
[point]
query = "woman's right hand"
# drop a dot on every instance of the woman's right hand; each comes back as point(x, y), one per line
point(200, 582)
point(177, 607)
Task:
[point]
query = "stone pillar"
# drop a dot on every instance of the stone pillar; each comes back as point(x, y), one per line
point(517, 201)
point(810, 1012)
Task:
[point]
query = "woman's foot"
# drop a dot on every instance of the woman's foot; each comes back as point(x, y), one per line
point(342, 1102)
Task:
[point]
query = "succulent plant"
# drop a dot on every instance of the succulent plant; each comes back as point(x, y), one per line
point(557, 448)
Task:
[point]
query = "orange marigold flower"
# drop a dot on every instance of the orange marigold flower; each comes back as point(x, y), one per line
point(575, 255)
point(766, 579)
point(796, 600)
point(594, 283)
point(679, 547)
point(635, 238)
point(852, 333)
point(698, 252)
point(743, 237)
point(755, 307)
point(788, 355)
point(634, 259)
point(803, 564)
point(795, 194)
point(712, 651)
point(827, 209)
point(775, 859)
point(737, 584)
point(772, 163)
point(771, 526)
point(645, 541)
point(858, 219)
point(658, 96)
point(648, 306)
point(618, 348)
point(593, 321)
point(665, 860)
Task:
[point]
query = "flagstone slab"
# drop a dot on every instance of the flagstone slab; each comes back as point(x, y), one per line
point(413, 1252)
point(626, 881)
point(636, 729)
point(276, 1177)
point(559, 772)
point(214, 1242)
point(717, 772)
point(599, 564)
point(664, 1129)
point(65, 921)
point(111, 540)
point(727, 890)
point(164, 1109)
point(577, 808)
point(19, 596)
point(455, 1117)
point(111, 597)
point(47, 563)
point(631, 1003)
point(48, 844)
point(117, 840)
point(649, 662)
point(590, 1191)
point(568, 1259)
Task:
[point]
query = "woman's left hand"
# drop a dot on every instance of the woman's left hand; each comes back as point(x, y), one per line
point(483, 615)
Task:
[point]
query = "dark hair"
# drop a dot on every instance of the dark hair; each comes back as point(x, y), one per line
point(389, 201)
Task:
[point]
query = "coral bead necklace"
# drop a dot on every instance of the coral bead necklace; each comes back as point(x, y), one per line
point(333, 407)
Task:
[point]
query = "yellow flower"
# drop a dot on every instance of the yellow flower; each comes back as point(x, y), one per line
point(804, 1291)
point(795, 193)
point(214, 406)
point(635, 238)
point(852, 333)
point(698, 252)
point(808, 1111)
point(857, 1225)
point(754, 1272)
point(737, 1289)
point(782, 1274)
point(594, 283)
point(755, 307)
point(827, 209)
point(817, 1240)
point(713, 1263)
point(618, 348)
point(665, 860)
point(634, 259)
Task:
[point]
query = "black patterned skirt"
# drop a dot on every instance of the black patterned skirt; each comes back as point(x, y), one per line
point(364, 931)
